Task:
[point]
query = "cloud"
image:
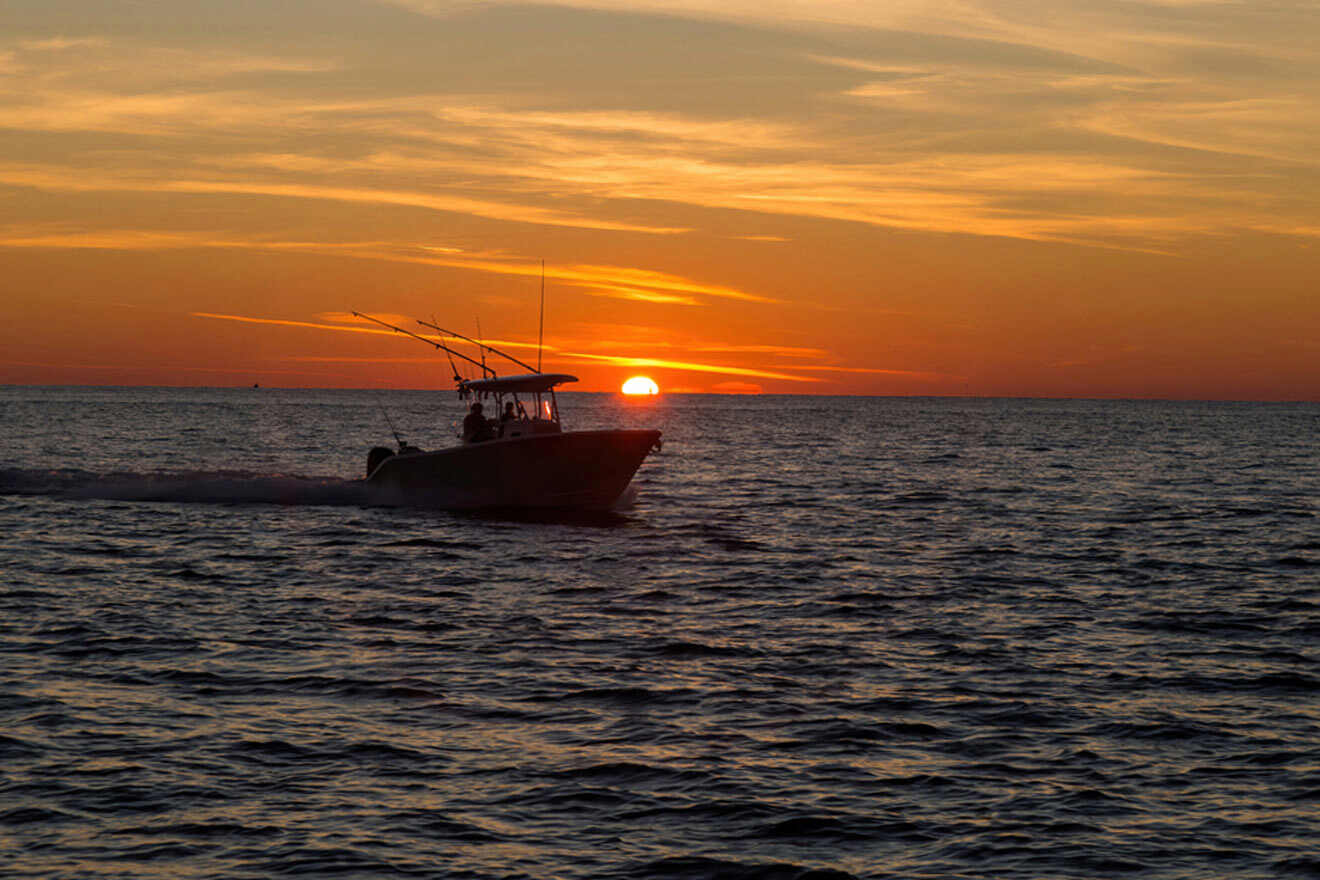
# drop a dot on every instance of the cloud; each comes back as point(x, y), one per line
point(68, 180)
point(172, 369)
point(641, 295)
point(615, 281)
point(736, 388)
point(1282, 128)
point(59, 44)
point(921, 375)
point(947, 117)
point(93, 239)
point(782, 350)
point(332, 359)
point(560, 353)
point(938, 129)
point(690, 366)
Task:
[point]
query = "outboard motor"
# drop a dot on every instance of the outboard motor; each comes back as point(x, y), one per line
point(376, 456)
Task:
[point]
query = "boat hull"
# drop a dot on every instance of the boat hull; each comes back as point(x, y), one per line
point(580, 470)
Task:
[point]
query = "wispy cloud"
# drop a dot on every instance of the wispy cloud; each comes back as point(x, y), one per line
point(616, 281)
point(1283, 128)
point(629, 283)
point(650, 296)
point(782, 350)
point(333, 359)
point(690, 366)
point(737, 388)
point(142, 367)
point(607, 337)
point(59, 44)
point(964, 137)
point(922, 375)
point(68, 180)
point(559, 353)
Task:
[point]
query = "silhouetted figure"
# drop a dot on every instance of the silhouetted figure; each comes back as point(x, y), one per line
point(475, 427)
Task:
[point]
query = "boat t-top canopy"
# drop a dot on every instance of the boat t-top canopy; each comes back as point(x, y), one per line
point(529, 383)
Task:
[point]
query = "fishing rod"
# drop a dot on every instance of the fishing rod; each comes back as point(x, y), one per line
point(389, 421)
point(431, 342)
point(480, 345)
point(453, 366)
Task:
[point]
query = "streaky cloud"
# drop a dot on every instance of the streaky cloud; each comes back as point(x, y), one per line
point(876, 371)
point(660, 363)
point(619, 360)
point(48, 179)
point(633, 293)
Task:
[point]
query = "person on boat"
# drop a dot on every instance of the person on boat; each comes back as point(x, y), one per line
point(509, 415)
point(475, 427)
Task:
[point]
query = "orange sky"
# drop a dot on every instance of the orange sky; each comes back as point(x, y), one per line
point(805, 197)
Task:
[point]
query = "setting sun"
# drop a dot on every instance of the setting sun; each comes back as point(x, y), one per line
point(640, 385)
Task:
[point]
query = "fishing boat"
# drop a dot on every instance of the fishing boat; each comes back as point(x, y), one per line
point(523, 458)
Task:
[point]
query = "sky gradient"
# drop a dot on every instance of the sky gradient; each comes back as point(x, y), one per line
point(1100, 199)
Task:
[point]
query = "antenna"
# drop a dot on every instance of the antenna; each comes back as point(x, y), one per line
point(540, 334)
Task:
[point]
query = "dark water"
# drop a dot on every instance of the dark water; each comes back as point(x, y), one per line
point(830, 637)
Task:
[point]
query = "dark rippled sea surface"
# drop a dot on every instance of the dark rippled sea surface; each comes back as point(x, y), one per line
point(828, 638)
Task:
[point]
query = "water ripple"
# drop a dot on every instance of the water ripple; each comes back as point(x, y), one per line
point(831, 639)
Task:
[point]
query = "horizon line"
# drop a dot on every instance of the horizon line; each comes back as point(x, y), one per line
point(1044, 397)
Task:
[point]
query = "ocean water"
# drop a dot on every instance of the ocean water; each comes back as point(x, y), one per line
point(824, 638)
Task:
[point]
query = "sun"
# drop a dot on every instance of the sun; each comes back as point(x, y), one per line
point(640, 385)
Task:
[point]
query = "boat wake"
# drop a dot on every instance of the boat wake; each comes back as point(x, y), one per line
point(213, 487)
point(244, 487)
point(628, 500)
